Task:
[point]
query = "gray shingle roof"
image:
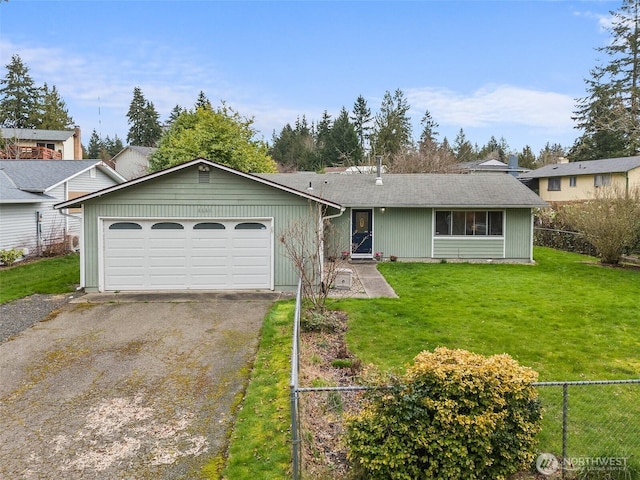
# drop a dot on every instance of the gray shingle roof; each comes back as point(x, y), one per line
point(40, 175)
point(10, 193)
point(590, 167)
point(35, 134)
point(413, 190)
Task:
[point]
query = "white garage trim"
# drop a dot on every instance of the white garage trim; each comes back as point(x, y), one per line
point(138, 254)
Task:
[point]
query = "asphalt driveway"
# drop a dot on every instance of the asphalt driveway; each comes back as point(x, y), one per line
point(127, 386)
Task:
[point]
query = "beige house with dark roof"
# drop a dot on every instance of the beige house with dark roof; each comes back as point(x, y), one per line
point(577, 181)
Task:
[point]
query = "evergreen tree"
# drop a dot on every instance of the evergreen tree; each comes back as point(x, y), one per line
point(526, 158)
point(361, 121)
point(462, 148)
point(609, 116)
point(494, 150)
point(203, 102)
point(294, 149)
point(345, 141)
point(20, 102)
point(325, 154)
point(550, 154)
point(428, 137)
point(175, 113)
point(144, 121)
point(392, 131)
point(94, 147)
point(111, 147)
point(55, 115)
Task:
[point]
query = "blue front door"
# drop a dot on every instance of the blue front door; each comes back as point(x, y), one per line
point(361, 233)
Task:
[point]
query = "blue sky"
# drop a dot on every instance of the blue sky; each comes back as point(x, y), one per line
point(510, 69)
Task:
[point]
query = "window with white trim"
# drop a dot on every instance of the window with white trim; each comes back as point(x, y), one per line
point(469, 223)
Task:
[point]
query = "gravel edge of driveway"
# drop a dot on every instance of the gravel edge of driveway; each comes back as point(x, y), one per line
point(18, 315)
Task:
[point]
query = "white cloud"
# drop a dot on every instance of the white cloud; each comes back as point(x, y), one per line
point(494, 105)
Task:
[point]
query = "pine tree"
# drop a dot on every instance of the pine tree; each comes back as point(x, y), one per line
point(94, 147)
point(550, 154)
point(345, 141)
point(361, 121)
point(173, 116)
point(392, 131)
point(55, 115)
point(145, 129)
point(463, 149)
point(20, 99)
point(494, 150)
point(325, 154)
point(428, 137)
point(111, 147)
point(203, 101)
point(526, 158)
point(609, 116)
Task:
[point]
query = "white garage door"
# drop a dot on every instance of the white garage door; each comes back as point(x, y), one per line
point(191, 254)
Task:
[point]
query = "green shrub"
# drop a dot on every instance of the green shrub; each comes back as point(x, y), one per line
point(454, 414)
point(8, 257)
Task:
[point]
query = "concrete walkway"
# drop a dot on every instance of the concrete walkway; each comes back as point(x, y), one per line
point(373, 283)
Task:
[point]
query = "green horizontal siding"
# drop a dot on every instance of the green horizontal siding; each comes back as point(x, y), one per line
point(468, 247)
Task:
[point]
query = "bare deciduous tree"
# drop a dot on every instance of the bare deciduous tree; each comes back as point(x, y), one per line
point(431, 159)
point(314, 247)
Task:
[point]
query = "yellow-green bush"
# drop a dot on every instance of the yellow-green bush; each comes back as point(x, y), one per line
point(453, 415)
point(8, 257)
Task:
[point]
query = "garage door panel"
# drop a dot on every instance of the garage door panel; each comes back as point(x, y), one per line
point(250, 262)
point(198, 263)
point(126, 282)
point(175, 254)
point(160, 262)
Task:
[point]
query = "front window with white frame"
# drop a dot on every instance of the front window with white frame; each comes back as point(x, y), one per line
point(469, 223)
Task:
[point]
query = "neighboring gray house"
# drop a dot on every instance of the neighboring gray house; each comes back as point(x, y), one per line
point(201, 225)
point(491, 166)
point(30, 188)
point(133, 162)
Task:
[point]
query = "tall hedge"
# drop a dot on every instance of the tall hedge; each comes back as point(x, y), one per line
point(453, 415)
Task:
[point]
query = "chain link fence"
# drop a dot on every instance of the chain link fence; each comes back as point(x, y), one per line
point(590, 429)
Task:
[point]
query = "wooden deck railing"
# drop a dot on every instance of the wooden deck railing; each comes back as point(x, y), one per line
point(17, 152)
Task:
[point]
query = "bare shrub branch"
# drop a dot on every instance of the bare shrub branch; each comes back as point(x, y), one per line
point(610, 221)
point(308, 243)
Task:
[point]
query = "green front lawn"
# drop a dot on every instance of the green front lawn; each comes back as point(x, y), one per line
point(566, 317)
point(47, 276)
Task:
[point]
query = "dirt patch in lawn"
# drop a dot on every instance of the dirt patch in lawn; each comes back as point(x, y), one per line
point(325, 361)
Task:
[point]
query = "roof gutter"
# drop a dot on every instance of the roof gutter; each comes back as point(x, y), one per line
point(328, 217)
